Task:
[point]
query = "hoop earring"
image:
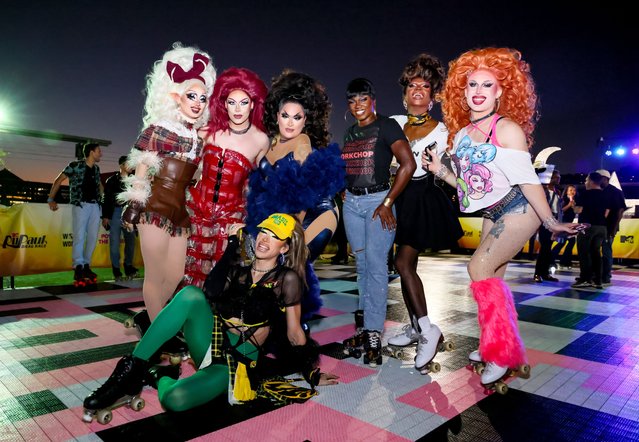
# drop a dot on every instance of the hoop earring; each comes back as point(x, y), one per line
point(405, 105)
point(347, 112)
point(430, 106)
point(281, 259)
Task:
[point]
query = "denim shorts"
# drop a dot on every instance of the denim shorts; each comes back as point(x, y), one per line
point(513, 203)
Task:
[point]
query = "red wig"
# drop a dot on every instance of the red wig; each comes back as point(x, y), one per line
point(517, 102)
point(228, 81)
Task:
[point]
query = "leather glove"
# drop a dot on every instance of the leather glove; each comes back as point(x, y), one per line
point(132, 212)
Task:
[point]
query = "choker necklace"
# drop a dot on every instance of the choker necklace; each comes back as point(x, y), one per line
point(418, 120)
point(259, 270)
point(480, 119)
point(241, 131)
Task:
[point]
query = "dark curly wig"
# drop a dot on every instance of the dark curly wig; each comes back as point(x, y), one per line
point(295, 87)
point(427, 67)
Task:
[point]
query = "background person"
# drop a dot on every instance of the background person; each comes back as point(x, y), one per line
point(111, 221)
point(85, 192)
point(617, 203)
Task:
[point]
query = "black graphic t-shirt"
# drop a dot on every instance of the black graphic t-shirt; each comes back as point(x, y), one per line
point(367, 152)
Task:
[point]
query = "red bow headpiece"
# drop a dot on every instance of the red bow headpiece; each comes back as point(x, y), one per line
point(178, 75)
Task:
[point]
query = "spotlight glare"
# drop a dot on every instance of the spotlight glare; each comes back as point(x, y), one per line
point(620, 151)
point(635, 151)
point(608, 152)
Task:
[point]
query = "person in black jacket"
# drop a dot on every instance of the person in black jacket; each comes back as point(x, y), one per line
point(111, 213)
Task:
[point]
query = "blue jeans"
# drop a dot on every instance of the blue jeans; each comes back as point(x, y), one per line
point(114, 240)
point(370, 243)
point(606, 255)
point(86, 223)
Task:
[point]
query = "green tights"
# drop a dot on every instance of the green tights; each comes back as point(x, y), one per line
point(190, 312)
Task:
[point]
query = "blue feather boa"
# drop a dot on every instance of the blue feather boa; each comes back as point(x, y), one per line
point(291, 187)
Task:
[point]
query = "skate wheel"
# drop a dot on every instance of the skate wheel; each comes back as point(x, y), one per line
point(356, 353)
point(87, 416)
point(479, 369)
point(398, 354)
point(104, 416)
point(524, 371)
point(137, 403)
point(175, 360)
point(435, 367)
point(128, 323)
point(501, 388)
point(449, 346)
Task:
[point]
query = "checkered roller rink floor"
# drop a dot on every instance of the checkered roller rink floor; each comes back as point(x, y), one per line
point(59, 343)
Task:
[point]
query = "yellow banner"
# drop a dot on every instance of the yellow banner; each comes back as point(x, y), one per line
point(625, 245)
point(38, 240)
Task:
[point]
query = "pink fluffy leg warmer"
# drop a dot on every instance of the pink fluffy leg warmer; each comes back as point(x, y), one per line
point(499, 340)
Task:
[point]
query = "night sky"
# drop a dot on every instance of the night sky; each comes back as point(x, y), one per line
point(78, 67)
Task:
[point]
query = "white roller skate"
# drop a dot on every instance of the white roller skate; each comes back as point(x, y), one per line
point(430, 341)
point(493, 376)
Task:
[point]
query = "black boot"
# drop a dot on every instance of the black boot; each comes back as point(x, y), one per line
point(159, 371)
point(127, 379)
point(117, 274)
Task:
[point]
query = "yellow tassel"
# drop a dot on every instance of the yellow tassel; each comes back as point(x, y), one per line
point(242, 388)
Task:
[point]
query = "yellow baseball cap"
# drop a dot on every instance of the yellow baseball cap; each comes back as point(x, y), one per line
point(281, 224)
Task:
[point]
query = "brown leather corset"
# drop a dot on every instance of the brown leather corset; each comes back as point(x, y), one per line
point(168, 191)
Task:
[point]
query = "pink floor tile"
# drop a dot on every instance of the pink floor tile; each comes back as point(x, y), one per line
point(52, 427)
point(309, 421)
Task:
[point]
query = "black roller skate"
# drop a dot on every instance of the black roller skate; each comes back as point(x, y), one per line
point(122, 388)
point(140, 321)
point(89, 276)
point(175, 349)
point(373, 348)
point(353, 345)
point(131, 272)
point(117, 274)
point(78, 276)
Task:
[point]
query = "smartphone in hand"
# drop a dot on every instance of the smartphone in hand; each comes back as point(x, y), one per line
point(429, 150)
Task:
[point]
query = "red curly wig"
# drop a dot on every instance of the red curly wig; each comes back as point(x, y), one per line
point(517, 102)
point(233, 79)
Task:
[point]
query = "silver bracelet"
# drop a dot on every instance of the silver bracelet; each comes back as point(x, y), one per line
point(549, 222)
point(442, 172)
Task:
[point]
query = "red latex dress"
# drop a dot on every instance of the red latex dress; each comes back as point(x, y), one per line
point(215, 202)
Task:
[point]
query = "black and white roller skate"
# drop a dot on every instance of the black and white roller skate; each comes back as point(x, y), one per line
point(373, 348)
point(122, 388)
point(353, 345)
